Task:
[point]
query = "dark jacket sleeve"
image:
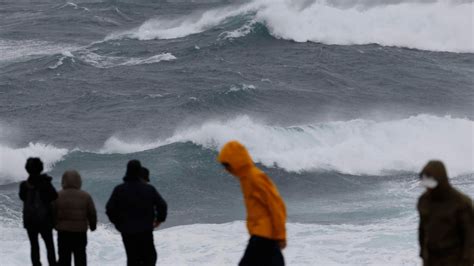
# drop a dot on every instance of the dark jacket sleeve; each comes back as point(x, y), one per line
point(421, 232)
point(91, 214)
point(160, 206)
point(466, 225)
point(50, 192)
point(22, 192)
point(54, 213)
point(421, 236)
point(111, 208)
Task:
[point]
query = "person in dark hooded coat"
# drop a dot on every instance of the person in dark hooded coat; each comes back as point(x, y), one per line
point(446, 229)
point(37, 194)
point(136, 208)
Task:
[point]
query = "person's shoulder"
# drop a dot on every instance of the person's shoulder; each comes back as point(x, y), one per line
point(258, 175)
point(422, 199)
point(262, 181)
point(120, 187)
point(84, 194)
point(463, 199)
point(87, 196)
point(23, 186)
point(62, 196)
point(46, 179)
point(148, 187)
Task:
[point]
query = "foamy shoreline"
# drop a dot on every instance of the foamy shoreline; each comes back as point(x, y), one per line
point(388, 242)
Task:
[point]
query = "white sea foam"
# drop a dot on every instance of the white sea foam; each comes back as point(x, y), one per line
point(353, 147)
point(160, 28)
point(438, 26)
point(102, 61)
point(390, 242)
point(155, 95)
point(12, 160)
point(241, 87)
point(116, 145)
point(65, 55)
point(74, 5)
point(150, 60)
point(11, 50)
point(240, 32)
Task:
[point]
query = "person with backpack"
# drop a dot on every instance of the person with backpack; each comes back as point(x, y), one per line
point(37, 194)
point(74, 213)
point(136, 208)
point(266, 212)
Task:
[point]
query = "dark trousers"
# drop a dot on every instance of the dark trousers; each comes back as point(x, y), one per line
point(262, 252)
point(70, 243)
point(140, 249)
point(47, 236)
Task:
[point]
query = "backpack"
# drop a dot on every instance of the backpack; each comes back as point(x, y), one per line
point(36, 211)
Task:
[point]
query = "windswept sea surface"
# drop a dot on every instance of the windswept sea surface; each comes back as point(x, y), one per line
point(340, 102)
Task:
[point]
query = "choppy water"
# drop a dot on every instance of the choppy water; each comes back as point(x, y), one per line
point(341, 104)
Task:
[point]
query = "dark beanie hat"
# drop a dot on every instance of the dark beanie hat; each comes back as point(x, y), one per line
point(34, 166)
point(134, 168)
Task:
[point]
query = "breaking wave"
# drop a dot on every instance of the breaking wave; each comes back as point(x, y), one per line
point(352, 147)
point(436, 26)
point(12, 160)
point(358, 147)
point(158, 28)
point(439, 26)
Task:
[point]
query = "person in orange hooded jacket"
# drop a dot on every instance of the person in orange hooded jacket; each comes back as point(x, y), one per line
point(266, 214)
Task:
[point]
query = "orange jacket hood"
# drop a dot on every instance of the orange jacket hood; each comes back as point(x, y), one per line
point(266, 212)
point(237, 156)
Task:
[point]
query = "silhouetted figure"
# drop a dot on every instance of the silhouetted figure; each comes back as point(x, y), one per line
point(136, 208)
point(266, 214)
point(446, 231)
point(37, 194)
point(75, 213)
point(145, 175)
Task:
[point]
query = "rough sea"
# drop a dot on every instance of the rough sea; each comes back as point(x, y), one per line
point(340, 102)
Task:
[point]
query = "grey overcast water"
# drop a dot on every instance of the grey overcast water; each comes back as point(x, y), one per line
point(341, 103)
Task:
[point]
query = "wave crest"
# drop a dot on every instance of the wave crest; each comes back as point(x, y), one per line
point(439, 26)
point(158, 28)
point(436, 26)
point(12, 160)
point(352, 147)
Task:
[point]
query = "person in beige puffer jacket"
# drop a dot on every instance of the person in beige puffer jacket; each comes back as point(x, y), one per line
point(74, 214)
